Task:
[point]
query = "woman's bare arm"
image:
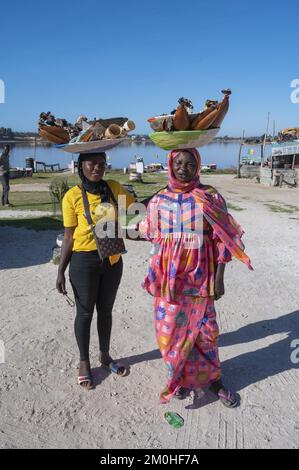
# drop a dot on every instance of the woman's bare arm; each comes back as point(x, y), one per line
point(219, 280)
point(66, 253)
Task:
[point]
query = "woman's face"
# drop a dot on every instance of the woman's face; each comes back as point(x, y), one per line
point(94, 168)
point(184, 167)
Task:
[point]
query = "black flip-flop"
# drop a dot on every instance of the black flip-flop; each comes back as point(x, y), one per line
point(227, 398)
point(181, 393)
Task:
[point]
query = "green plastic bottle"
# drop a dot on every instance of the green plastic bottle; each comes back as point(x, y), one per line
point(174, 419)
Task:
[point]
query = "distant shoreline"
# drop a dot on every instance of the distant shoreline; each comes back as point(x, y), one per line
point(30, 141)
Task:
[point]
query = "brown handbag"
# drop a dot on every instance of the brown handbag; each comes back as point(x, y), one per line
point(106, 245)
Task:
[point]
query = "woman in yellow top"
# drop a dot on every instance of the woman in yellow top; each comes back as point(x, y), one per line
point(94, 283)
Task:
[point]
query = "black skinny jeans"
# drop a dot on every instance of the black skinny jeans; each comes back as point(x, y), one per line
point(94, 284)
point(4, 179)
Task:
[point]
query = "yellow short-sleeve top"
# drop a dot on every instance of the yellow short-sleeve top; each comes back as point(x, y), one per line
point(73, 215)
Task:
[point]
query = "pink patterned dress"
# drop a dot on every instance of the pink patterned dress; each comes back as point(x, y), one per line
point(181, 278)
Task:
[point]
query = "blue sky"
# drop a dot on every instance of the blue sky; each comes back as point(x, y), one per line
point(136, 58)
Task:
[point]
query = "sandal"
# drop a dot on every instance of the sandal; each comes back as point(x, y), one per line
point(227, 398)
point(85, 379)
point(116, 368)
point(181, 393)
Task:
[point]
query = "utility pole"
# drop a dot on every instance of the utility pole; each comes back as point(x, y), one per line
point(265, 138)
point(240, 152)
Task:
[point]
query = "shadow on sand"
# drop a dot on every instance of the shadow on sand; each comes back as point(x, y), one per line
point(22, 248)
point(254, 366)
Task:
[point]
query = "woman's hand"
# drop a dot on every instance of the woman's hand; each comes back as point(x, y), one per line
point(219, 288)
point(60, 283)
point(219, 281)
point(65, 256)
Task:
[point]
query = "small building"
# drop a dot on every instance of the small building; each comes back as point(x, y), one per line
point(137, 166)
point(286, 154)
point(153, 167)
point(209, 167)
point(282, 168)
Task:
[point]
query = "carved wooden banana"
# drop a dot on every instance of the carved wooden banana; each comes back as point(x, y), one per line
point(204, 119)
point(181, 119)
point(222, 110)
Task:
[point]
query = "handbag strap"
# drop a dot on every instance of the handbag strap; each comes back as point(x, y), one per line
point(111, 195)
point(86, 203)
point(86, 206)
point(89, 219)
point(88, 215)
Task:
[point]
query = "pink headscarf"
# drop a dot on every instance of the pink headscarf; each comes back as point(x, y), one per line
point(213, 208)
point(175, 185)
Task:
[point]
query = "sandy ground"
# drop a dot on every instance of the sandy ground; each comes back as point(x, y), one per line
point(42, 407)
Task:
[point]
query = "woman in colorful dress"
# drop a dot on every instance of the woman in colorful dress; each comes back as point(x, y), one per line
point(193, 237)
